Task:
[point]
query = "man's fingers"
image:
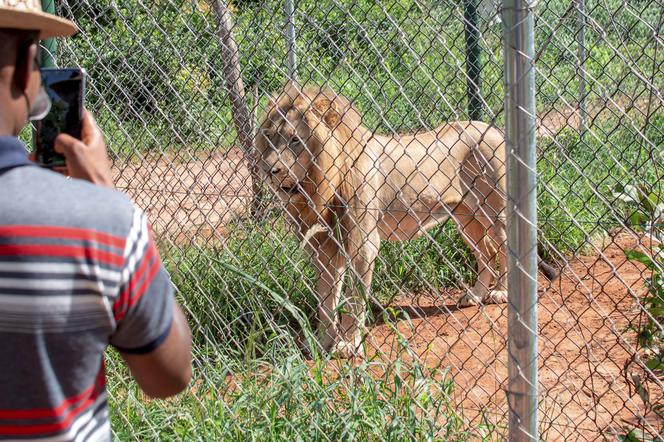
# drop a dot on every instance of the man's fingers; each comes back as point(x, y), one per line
point(87, 158)
point(65, 144)
point(88, 124)
point(89, 120)
point(90, 130)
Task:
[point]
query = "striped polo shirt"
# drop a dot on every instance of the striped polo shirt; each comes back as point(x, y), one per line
point(78, 271)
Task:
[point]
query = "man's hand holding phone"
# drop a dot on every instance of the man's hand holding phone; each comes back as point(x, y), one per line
point(67, 139)
point(86, 158)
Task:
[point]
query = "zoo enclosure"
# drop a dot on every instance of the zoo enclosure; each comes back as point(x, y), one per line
point(158, 88)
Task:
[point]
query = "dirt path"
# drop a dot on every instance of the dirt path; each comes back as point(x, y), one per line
point(584, 342)
point(187, 198)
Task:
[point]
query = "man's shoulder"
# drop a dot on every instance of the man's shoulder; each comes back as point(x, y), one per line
point(51, 198)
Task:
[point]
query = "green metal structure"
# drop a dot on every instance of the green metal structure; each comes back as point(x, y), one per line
point(50, 46)
point(473, 58)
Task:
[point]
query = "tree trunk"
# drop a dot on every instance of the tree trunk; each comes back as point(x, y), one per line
point(242, 118)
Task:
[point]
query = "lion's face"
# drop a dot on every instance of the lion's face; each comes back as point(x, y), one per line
point(304, 144)
point(285, 151)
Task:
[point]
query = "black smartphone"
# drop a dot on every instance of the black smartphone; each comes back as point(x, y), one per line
point(66, 89)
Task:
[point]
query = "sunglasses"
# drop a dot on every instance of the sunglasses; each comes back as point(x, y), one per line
point(38, 56)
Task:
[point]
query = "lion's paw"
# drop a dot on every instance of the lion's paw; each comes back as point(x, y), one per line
point(469, 299)
point(346, 350)
point(496, 297)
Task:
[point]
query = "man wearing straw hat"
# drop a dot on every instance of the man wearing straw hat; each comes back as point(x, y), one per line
point(78, 266)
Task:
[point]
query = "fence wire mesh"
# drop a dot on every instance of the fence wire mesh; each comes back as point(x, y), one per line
point(431, 368)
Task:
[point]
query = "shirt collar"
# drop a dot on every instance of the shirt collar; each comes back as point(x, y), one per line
point(12, 153)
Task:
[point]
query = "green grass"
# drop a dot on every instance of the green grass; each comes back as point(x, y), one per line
point(290, 400)
point(252, 381)
point(578, 178)
point(231, 308)
point(268, 255)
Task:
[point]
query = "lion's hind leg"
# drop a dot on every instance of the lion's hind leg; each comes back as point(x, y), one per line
point(476, 230)
point(499, 240)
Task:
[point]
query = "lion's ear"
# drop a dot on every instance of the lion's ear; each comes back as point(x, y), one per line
point(327, 110)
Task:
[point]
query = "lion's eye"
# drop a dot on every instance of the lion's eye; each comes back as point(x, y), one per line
point(295, 141)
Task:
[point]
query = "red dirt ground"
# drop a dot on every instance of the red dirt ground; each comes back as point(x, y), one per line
point(187, 198)
point(583, 341)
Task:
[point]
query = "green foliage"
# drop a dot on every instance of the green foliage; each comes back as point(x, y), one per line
point(650, 334)
point(239, 308)
point(439, 260)
point(644, 212)
point(150, 82)
point(157, 79)
point(578, 177)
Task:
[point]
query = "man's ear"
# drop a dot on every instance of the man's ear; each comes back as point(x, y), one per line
point(25, 63)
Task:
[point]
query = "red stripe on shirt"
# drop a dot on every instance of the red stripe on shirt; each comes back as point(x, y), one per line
point(156, 265)
point(132, 293)
point(63, 233)
point(46, 250)
point(146, 282)
point(90, 394)
point(48, 428)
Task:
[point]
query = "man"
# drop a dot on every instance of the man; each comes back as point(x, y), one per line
point(78, 266)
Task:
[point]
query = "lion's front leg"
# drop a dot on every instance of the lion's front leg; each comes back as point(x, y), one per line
point(330, 267)
point(361, 246)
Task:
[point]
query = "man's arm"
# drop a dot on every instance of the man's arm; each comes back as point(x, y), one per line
point(165, 371)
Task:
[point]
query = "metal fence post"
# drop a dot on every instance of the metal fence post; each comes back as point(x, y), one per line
point(521, 218)
point(290, 40)
point(581, 42)
point(50, 45)
point(473, 58)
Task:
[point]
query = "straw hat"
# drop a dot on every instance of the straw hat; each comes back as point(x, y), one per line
point(28, 15)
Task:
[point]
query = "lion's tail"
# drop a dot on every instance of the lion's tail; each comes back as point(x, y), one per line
point(550, 272)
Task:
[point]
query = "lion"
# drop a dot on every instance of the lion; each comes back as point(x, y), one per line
point(346, 189)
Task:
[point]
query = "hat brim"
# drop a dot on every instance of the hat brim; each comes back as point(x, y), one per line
point(48, 25)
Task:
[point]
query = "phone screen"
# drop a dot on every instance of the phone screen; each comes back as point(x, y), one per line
point(66, 88)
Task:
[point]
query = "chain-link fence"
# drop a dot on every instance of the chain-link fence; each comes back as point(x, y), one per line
point(180, 117)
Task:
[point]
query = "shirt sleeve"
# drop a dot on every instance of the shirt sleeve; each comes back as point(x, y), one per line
point(143, 310)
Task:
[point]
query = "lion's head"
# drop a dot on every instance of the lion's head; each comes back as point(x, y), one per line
point(306, 142)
